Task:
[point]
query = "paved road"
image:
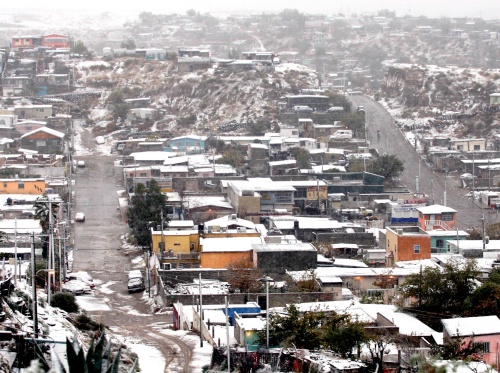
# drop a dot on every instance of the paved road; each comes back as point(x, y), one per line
point(392, 141)
point(98, 251)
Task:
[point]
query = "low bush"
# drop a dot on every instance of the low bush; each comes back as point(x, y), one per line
point(64, 301)
point(85, 322)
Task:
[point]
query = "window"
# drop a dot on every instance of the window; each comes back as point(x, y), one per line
point(5, 184)
point(301, 193)
point(416, 249)
point(20, 185)
point(440, 243)
point(483, 346)
point(460, 147)
point(40, 143)
point(143, 174)
point(177, 244)
point(447, 216)
point(477, 147)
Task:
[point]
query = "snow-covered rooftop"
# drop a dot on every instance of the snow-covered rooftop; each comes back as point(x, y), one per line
point(467, 326)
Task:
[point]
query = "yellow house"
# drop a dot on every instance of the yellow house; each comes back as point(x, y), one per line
point(22, 186)
point(176, 242)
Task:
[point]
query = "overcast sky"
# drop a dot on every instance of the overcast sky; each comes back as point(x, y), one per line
point(432, 8)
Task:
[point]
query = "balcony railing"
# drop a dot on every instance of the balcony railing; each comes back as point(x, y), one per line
point(430, 224)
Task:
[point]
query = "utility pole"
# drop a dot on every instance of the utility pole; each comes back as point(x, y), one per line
point(162, 248)
point(484, 232)
point(15, 251)
point(319, 209)
point(201, 311)
point(50, 263)
point(444, 196)
point(489, 176)
point(473, 177)
point(149, 274)
point(227, 336)
point(33, 286)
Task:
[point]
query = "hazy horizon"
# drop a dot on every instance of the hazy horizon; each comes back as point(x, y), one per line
point(437, 8)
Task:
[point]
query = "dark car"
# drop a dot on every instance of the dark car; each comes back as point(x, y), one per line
point(135, 284)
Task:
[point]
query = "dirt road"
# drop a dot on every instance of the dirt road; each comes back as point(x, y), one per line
point(392, 141)
point(98, 250)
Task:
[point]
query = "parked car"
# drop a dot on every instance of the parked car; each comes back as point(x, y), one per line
point(135, 284)
point(335, 109)
point(83, 277)
point(80, 216)
point(76, 287)
point(302, 109)
point(467, 176)
point(81, 164)
point(135, 274)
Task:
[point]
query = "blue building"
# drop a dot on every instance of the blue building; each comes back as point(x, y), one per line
point(190, 144)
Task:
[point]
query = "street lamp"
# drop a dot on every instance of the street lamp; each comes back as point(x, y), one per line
point(267, 280)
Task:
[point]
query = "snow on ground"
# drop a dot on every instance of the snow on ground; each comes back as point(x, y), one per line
point(132, 311)
point(396, 112)
point(88, 64)
point(79, 148)
point(105, 287)
point(150, 358)
point(201, 355)
point(138, 260)
point(285, 67)
point(43, 18)
point(91, 303)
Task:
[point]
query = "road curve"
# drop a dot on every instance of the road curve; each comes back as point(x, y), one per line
point(393, 141)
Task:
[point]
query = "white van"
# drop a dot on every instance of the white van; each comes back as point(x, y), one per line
point(302, 109)
point(342, 134)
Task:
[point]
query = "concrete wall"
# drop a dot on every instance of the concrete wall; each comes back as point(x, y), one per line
point(280, 261)
point(275, 299)
point(363, 239)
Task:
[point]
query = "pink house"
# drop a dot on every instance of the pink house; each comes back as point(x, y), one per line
point(484, 329)
point(436, 217)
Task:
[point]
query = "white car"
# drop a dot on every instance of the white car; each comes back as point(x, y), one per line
point(80, 216)
point(76, 287)
point(467, 176)
point(82, 277)
point(81, 164)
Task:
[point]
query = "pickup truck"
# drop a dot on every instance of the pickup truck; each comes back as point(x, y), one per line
point(365, 212)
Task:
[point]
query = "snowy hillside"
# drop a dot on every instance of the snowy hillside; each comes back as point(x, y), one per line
point(200, 100)
point(446, 101)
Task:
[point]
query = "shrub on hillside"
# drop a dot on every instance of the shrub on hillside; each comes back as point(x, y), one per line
point(64, 301)
point(85, 322)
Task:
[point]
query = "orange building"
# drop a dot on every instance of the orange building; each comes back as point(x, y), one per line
point(224, 251)
point(22, 186)
point(436, 217)
point(56, 41)
point(407, 243)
